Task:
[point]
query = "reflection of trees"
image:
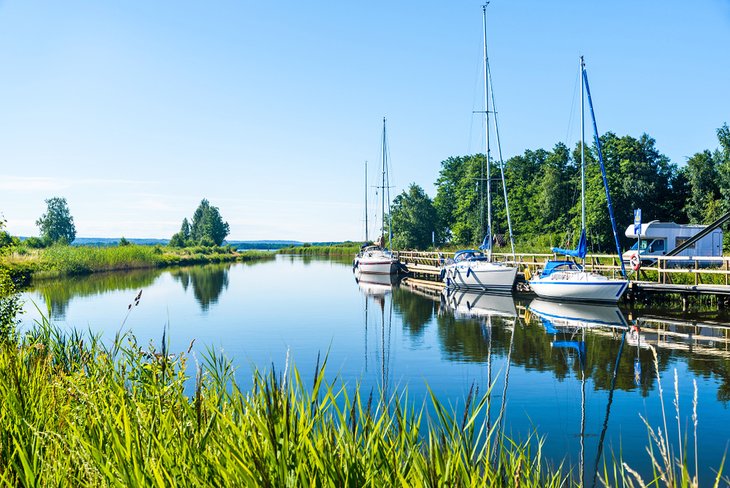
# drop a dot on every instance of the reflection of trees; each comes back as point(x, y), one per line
point(57, 293)
point(415, 310)
point(468, 339)
point(208, 282)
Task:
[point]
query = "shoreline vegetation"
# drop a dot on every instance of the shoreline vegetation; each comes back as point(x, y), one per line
point(347, 248)
point(78, 412)
point(63, 260)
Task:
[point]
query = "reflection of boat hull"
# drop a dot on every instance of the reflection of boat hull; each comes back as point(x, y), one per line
point(480, 275)
point(578, 314)
point(475, 304)
point(580, 286)
point(376, 283)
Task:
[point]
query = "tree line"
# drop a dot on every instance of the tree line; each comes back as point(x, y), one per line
point(56, 226)
point(544, 195)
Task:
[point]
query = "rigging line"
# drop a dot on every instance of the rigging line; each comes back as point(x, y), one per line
point(572, 109)
point(477, 87)
point(501, 165)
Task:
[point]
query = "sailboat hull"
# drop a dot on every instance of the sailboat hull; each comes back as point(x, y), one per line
point(377, 262)
point(480, 275)
point(583, 287)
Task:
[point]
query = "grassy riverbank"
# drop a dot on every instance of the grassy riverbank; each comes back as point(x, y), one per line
point(60, 260)
point(77, 412)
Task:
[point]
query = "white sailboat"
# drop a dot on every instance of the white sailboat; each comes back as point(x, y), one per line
point(470, 268)
point(377, 259)
point(566, 279)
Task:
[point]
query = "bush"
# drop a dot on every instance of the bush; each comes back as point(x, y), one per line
point(10, 305)
point(35, 243)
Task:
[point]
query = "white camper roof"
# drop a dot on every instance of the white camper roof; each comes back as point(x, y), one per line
point(659, 230)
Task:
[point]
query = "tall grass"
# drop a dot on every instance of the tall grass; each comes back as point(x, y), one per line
point(345, 249)
point(62, 260)
point(670, 462)
point(77, 412)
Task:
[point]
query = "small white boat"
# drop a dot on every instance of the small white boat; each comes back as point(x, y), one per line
point(471, 304)
point(471, 269)
point(566, 279)
point(376, 260)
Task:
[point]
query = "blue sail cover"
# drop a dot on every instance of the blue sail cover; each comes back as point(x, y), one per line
point(579, 252)
point(485, 243)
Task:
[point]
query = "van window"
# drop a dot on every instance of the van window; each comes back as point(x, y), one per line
point(681, 240)
point(644, 245)
point(657, 245)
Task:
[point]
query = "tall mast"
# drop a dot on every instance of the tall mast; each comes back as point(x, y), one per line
point(382, 191)
point(599, 153)
point(582, 153)
point(486, 134)
point(366, 202)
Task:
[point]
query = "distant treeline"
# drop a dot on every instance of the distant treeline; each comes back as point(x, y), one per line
point(544, 195)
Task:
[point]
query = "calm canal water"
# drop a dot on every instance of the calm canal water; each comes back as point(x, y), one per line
point(578, 376)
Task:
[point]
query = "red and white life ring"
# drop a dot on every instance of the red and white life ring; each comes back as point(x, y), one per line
point(635, 262)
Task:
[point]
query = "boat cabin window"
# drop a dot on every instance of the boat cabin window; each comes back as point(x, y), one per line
point(468, 256)
point(556, 266)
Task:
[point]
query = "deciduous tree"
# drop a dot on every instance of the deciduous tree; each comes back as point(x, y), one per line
point(57, 224)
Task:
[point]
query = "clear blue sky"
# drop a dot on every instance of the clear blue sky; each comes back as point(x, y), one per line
point(136, 110)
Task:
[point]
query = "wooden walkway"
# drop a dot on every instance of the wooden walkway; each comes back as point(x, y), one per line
point(681, 275)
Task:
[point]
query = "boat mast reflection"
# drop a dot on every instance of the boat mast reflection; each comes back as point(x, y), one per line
point(572, 319)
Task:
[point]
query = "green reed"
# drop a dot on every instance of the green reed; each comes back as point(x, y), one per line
point(344, 249)
point(63, 260)
point(82, 413)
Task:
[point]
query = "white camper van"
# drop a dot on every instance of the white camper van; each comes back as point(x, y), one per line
point(658, 238)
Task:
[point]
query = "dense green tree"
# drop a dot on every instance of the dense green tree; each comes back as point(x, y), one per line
point(703, 179)
point(177, 240)
point(414, 219)
point(722, 161)
point(638, 175)
point(556, 190)
point(544, 192)
point(460, 200)
point(208, 227)
point(185, 229)
point(57, 224)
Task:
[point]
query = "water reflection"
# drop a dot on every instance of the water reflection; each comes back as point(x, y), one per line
point(208, 282)
point(567, 324)
point(557, 368)
point(376, 284)
point(378, 339)
point(58, 293)
point(471, 304)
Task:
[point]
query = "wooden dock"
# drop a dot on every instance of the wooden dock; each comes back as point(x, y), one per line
point(684, 276)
